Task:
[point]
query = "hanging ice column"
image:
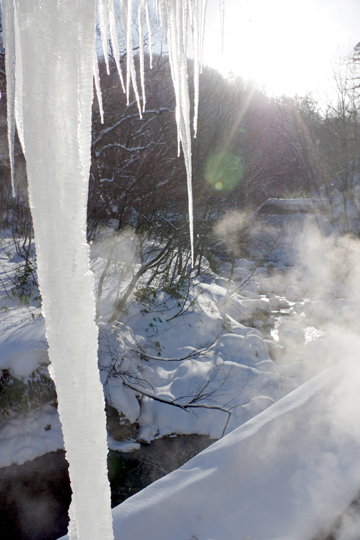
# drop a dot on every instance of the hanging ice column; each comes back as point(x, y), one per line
point(176, 16)
point(54, 45)
point(50, 58)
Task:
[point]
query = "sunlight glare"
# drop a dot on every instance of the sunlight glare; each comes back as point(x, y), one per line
point(288, 47)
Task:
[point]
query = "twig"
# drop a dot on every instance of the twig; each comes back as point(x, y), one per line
point(197, 352)
point(173, 402)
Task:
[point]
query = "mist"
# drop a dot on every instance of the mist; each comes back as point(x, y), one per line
point(311, 279)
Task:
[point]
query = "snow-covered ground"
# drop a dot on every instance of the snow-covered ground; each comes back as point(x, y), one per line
point(266, 363)
point(216, 371)
point(288, 473)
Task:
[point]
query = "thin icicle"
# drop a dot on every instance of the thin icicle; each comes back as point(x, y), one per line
point(98, 88)
point(176, 15)
point(115, 39)
point(196, 53)
point(222, 19)
point(19, 118)
point(158, 13)
point(103, 16)
point(126, 15)
point(141, 9)
point(126, 20)
point(9, 43)
point(148, 25)
point(202, 33)
point(134, 84)
point(108, 25)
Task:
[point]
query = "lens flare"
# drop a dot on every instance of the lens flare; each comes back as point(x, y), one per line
point(224, 171)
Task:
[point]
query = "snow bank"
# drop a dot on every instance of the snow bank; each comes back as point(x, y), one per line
point(287, 473)
point(24, 438)
point(22, 343)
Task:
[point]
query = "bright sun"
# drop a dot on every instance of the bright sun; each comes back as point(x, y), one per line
point(285, 45)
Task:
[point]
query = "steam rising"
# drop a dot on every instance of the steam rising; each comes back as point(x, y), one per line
point(232, 230)
point(311, 279)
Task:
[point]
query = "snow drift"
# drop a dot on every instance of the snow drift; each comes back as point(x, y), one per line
point(286, 474)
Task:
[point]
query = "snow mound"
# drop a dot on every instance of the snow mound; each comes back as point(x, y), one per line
point(24, 438)
point(287, 473)
point(23, 344)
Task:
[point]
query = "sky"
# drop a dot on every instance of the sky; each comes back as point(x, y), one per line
point(288, 46)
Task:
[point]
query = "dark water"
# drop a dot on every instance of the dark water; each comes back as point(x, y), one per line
point(35, 497)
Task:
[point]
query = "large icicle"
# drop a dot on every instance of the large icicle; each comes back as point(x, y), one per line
point(55, 47)
point(176, 16)
point(9, 40)
point(50, 62)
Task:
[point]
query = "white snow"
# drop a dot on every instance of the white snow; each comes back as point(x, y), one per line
point(274, 477)
point(298, 441)
point(287, 473)
point(24, 438)
point(22, 342)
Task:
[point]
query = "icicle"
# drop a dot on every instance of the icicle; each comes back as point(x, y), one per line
point(141, 9)
point(14, 83)
point(97, 88)
point(128, 37)
point(126, 14)
point(52, 102)
point(222, 25)
point(196, 52)
point(202, 32)
point(103, 15)
point(134, 84)
point(9, 43)
point(176, 17)
point(108, 24)
point(148, 25)
point(18, 84)
point(54, 46)
point(115, 39)
point(125, 18)
point(158, 13)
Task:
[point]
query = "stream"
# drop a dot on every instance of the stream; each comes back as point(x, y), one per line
point(35, 496)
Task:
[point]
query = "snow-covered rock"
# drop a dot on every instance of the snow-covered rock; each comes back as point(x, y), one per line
point(290, 332)
point(294, 294)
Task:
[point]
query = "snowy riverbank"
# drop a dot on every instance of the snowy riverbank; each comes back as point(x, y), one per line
point(220, 358)
point(290, 472)
point(204, 359)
